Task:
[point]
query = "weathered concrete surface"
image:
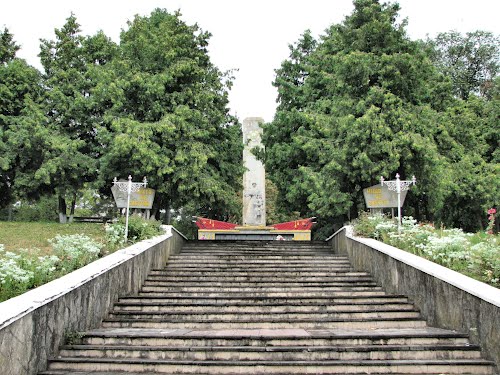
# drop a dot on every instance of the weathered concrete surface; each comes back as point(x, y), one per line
point(254, 178)
point(445, 298)
point(34, 325)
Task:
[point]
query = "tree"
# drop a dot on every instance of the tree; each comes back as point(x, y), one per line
point(71, 63)
point(471, 60)
point(19, 85)
point(170, 118)
point(8, 47)
point(369, 99)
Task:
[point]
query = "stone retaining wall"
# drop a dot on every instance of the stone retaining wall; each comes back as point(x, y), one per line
point(445, 298)
point(35, 324)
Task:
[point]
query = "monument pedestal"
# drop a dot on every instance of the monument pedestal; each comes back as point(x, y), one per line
point(298, 230)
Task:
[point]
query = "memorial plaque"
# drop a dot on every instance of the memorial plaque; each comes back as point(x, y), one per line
point(143, 198)
point(378, 196)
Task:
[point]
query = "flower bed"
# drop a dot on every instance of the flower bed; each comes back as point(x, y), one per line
point(25, 269)
point(475, 255)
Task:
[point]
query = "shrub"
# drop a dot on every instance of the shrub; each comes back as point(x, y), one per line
point(44, 209)
point(138, 229)
point(477, 255)
point(14, 279)
point(75, 250)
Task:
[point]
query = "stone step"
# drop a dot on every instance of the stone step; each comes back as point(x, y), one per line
point(252, 308)
point(313, 259)
point(256, 279)
point(259, 260)
point(261, 252)
point(266, 294)
point(451, 366)
point(276, 353)
point(276, 323)
point(273, 337)
point(259, 273)
point(258, 267)
point(265, 290)
point(201, 282)
point(215, 315)
point(265, 301)
point(311, 256)
point(231, 272)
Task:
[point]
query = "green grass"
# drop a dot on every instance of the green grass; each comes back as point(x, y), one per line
point(20, 235)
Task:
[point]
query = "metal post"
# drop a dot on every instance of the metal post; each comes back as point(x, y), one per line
point(398, 191)
point(129, 191)
point(398, 186)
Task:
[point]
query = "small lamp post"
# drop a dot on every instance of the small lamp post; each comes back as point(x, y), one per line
point(129, 187)
point(398, 186)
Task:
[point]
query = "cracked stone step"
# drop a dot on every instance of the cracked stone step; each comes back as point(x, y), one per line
point(266, 294)
point(202, 283)
point(214, 315)
point(260, 337)
point(252, 308)
point(328, 323)
point(260, 289)
point(263, 301)
point(277, 353)
point(478, 366)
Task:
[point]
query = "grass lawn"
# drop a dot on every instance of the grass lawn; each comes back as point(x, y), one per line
point(19, 235)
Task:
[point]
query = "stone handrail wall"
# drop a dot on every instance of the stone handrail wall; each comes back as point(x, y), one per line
point(34, 324)
point(446, 299)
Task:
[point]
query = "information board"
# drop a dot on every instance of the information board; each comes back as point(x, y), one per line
point(143, 198)
point(378, 196)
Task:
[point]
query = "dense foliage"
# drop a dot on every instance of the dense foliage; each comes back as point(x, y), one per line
point(475, 255)
point(154, 105)
point(365, 101)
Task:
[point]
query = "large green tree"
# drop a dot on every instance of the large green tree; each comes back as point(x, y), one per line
point(369, 106)
point(20, 85)
point(471, 61)
point(170, 120)
point(73, 113)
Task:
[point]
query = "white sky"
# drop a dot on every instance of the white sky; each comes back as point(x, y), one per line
point(252, 36)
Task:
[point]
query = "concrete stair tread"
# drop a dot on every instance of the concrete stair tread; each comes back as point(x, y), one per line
point(215, 312)
point(215, 302)
point(264, 298)
point(271, 333)
point(273, 348)
point(370, 362)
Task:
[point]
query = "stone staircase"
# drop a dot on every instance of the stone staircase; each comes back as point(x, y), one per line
point(266, 308)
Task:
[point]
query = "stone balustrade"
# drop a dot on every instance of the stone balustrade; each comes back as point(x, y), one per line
point(446, 299)
point(34, 324)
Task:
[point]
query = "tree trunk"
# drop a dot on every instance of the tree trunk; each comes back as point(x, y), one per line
point(9, 212)
point(63, 218)
point(72, 208)
point(168, 213)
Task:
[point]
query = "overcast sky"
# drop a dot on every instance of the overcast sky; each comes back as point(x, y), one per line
point(251, 36)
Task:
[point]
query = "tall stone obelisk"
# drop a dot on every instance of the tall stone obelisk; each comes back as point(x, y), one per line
point(254, 178)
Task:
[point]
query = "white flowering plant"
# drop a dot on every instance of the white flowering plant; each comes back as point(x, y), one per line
point(75, 250)
point(476, 255)
point(28, 268)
